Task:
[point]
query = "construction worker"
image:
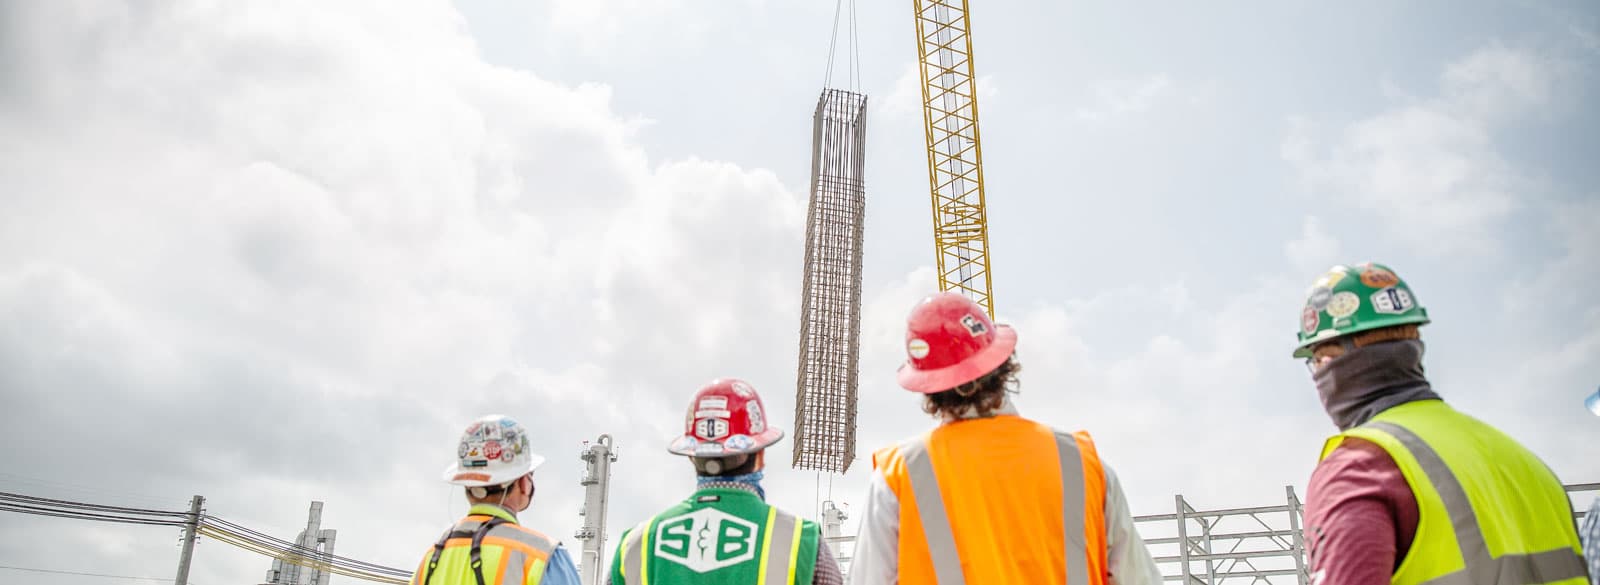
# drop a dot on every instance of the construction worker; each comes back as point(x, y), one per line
point(725, 532)
point(988, 496)
point(488, 547)
point(1590, 532)
point(1412, 491)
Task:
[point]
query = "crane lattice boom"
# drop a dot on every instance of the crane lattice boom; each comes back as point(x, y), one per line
point(955, 159)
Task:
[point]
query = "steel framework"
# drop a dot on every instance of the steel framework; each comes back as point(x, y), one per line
point(1211, 547)
point(955, 159)
point(830, 298)
point(1260, 545)
point(295, 568)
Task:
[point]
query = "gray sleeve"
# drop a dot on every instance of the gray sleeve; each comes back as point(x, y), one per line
point(1130, 562)
point(827, 572)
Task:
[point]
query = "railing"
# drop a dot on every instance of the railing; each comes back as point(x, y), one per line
point(1211, 547)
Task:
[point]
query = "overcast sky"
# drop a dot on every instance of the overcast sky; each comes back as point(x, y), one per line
point(279, 253)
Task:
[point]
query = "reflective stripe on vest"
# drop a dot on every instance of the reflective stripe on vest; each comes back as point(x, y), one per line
point(1481, 568)
point(780, 548)
point(635, 560)
point(936, 521)
point(479, 529)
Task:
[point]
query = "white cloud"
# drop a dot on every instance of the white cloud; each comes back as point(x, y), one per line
point(1587, 38)
point(1497, 82)
point(292, 252)
point(1430, 170)
point(1315, 249)
point(1120, 97)
point(598, 26)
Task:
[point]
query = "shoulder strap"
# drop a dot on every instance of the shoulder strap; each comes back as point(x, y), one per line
point(476, 553)
point(438, 549)
point(477, 547)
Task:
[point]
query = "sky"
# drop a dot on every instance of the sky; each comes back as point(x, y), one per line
point(277, 254)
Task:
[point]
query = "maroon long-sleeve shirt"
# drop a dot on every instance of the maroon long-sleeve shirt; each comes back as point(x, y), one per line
point(1360, 516)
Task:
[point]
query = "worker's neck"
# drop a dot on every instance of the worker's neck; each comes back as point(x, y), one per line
point(496, 505)
point(971, 412)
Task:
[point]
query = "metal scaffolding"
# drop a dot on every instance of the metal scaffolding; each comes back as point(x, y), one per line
point(1260, 545)
point(830, 302)
point(1210, 547)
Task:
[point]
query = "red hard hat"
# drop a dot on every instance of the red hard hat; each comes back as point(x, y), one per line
point(725, 418)
point(950, 341)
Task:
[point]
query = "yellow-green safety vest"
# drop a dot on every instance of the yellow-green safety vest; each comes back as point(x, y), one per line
point(487, 547)
point(1490, 512)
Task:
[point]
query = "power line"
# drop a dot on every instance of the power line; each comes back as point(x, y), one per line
point(162, 579)
point(36, 483)
point(208, 525)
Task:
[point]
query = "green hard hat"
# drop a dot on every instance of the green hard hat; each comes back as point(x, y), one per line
point(1351, 299)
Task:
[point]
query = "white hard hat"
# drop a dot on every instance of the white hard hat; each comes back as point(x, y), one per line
point(493, 450)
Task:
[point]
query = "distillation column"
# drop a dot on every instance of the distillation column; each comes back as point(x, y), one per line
point(597, 459)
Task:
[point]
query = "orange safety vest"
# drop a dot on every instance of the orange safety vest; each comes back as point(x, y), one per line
point(1001, 499)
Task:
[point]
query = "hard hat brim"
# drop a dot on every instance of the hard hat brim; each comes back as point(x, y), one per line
point(972, 368)
point(466, 477)
point(1303, 350)
point(761, 441)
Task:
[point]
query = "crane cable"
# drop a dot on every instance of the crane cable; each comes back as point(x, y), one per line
point(853, 60)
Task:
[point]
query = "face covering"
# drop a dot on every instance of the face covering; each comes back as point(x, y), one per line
point(1368, 380)
point(752, 479)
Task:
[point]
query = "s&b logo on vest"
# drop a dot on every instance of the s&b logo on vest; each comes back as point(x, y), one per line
point(706, 540)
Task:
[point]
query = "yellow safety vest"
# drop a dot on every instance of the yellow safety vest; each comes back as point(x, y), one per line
point(1490, 512)
point(487, 547)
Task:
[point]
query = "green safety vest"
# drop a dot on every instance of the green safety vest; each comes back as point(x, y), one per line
point(719, 536)
point(1490, 511)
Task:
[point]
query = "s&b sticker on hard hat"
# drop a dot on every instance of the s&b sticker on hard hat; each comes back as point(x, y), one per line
point(1392, 301)
point(711, 428)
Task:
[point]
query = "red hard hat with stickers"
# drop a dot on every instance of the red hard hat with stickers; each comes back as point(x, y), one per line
point(726, 418)
point(950, 341)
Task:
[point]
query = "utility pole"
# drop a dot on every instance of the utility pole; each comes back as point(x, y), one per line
point(190, 531)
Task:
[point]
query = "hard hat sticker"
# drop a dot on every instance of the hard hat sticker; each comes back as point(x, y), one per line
point(743, 390)
point(1378, 277)
point(1392, 301)
point(684, 443)
point(1309, 319)
point(711, 428)
point(917, 348)
point(973, 325)
point(1319, 298)
point(758, 422)
point(739, 442)
point(1343, 304)
point(1331, 278)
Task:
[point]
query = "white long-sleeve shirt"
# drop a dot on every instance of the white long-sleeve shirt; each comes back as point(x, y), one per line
point(875, 559)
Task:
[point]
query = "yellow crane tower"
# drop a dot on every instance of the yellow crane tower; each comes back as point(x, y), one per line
point(955, 159)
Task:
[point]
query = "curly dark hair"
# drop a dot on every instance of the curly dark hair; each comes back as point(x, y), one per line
point(985, 394)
